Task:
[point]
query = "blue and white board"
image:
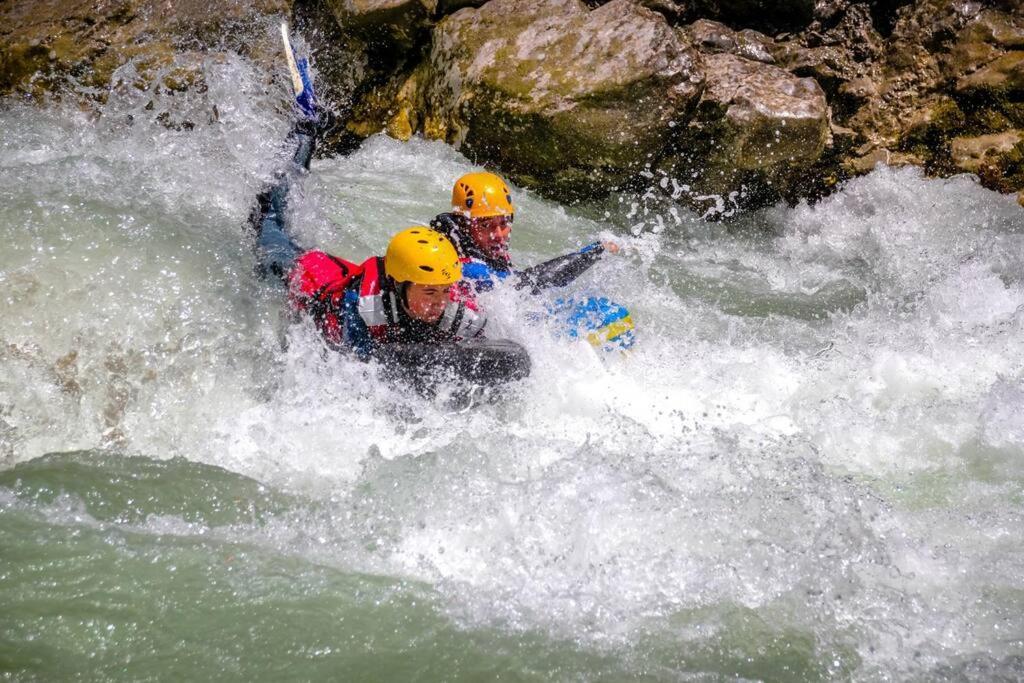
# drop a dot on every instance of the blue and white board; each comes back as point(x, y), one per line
point(602, 322)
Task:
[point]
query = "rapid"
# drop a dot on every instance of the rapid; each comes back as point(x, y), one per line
point(810, 466)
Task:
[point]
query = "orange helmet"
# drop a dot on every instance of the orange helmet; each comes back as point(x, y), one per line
point(481, 195)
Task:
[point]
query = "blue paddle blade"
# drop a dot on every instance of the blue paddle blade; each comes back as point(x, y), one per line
point(305, 100)
point(302, 80)
point(602, 322)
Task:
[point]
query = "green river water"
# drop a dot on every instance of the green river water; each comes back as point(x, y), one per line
point(810, 468)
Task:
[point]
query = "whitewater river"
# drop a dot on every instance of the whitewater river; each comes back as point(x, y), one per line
point(811, 467)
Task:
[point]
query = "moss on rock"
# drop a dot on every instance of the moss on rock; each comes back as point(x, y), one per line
point(574, 100)
point(48, 44)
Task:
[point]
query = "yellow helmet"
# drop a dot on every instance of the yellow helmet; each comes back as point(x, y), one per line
point(422, 256)
point(481, 195)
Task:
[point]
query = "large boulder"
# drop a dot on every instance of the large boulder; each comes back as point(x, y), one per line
point(568, 99)
point(398, 23)
point(755, 128)
point(769, 117)
point(45, 44)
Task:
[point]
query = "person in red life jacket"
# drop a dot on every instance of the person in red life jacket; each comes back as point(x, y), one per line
point(480, 224)
point(401, 309)
point(404, 297)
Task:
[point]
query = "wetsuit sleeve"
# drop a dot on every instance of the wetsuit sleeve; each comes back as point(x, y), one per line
point(356, 334)
point(276, 249)
point(559, 271)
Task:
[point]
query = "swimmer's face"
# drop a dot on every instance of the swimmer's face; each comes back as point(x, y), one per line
point(426, 302)
point(491, 235)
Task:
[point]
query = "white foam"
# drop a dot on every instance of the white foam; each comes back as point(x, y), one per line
point(800, 384)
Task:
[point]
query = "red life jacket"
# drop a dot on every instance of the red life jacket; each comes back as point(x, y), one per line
point(317, 284)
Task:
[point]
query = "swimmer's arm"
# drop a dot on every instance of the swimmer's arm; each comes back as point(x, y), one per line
point(561, 270)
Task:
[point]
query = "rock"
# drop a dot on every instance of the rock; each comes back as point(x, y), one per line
point(673, 11)
point(712, 37)
point(866, 162)
point(967, 57)
point(395, 108)
point(839, 51)
point(897, 94)
point(400, 23)
point(772, 116)
point(971, 154)
point(446, 7)
point(44, 44)
point(755, 124)
point(1003, 75)
point(833, 68)
point(566, 99)
point(998, 159)
point(997, 28)
point(858, 90)
point(941, 114)
point(984, 40)
point(927, 133)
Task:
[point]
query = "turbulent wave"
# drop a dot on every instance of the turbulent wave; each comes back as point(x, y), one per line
point(810, 467)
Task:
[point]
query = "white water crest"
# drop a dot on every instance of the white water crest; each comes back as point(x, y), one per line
point(818, 433)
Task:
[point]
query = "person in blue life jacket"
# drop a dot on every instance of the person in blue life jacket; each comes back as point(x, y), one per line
point(480, 224)
point(399, 309)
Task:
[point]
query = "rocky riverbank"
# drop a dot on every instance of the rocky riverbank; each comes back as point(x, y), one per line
point(745, 101)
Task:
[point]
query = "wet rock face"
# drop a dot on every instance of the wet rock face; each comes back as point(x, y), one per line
point(776, 115)
point(397, 22)
point(969, 92)
point(904, 79)
point(998, 159)
point(752, 99)
point(46, 43)
point(754, 127)
point(772, 118)
point(712, 37)
point(564, 98)
point(1002, 75)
